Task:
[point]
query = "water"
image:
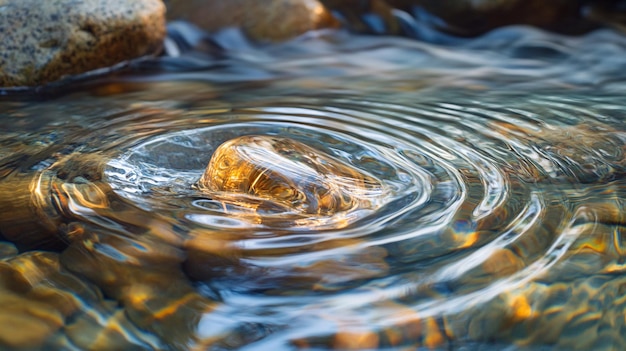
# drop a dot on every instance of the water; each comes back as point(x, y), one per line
point(333, 192)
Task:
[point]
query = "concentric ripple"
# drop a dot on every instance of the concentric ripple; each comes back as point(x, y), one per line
point(372, 213)
point(438, 207)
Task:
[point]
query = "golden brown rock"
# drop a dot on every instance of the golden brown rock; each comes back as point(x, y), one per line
point(501, 263)
point(29, 220)
point(37, 296)
point(271, 20)
point(355, 12)
point(144, 276)
point(42, 41)
point(356, 340)
point(112, 332)
point(25, 323)
point(287, 173)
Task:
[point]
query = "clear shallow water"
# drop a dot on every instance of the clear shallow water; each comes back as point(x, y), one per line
point(476, 197)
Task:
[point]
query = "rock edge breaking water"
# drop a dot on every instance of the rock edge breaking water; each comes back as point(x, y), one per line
point(63, 38)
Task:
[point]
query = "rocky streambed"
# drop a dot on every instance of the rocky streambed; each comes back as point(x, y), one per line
point(313, 175)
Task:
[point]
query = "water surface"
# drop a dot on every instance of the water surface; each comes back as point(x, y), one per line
point(367, 193)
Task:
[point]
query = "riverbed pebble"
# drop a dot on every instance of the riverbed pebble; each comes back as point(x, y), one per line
point(43, 41)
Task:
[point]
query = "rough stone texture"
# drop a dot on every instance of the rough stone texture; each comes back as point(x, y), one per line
point(43, 41)
point(267, 20)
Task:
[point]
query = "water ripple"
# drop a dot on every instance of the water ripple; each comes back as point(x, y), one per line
point(481, 201)
point(427, 203)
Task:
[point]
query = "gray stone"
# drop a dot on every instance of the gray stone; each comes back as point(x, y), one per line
point(42, 41)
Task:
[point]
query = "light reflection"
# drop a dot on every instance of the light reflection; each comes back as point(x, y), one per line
point(283, 176)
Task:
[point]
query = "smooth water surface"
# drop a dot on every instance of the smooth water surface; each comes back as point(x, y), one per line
point(334, 192)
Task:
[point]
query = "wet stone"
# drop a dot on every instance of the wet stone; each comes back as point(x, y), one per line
point(7, 250)
point(355, 340)
point(27, 222)
point(45, 41)
point(562, 315)
point(112, 331)
point(336, 264)
point(144, 276)
point(273, 276)
point(502, 263)
point(116, 263)
point(580, 153)
point(25, 323)
point(38, 297)
point(271, 20)
point(272, 173)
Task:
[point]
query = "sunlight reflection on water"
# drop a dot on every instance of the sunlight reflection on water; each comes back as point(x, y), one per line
point(483, 188)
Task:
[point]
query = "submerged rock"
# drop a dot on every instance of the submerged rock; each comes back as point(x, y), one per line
point(44, 41)
point(284, 174)
point(273, 20)
point(38, 298)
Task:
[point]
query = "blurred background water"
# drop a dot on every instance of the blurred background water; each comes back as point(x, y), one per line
point(477, 196)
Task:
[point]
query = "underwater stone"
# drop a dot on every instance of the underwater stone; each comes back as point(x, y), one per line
point(288, 174)
point(270, 20)
point(43, 41)
point(37, 296)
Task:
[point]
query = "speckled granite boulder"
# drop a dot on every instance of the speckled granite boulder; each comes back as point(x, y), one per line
point(43, 41)
point(266, 20)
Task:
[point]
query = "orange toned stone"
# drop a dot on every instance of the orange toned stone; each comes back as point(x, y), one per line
point(24, 221)
point(288, 175)
point(268, 20)
point(142, 261)
point(520, 308)
point(501, 263)
point(11, 279)
point(433, 337)
point(38, 276)
point(24, 323)
point(356, 340)
point(42, 41)
point(62, 301)
point(144, 276)
point(102, 332)
point(36, 266)
point(406, 325)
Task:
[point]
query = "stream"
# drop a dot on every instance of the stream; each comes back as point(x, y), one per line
point(334, 192)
